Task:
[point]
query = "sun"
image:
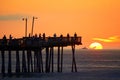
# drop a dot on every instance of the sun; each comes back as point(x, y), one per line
point(96, 46)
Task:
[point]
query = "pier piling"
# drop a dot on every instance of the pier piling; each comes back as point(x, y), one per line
point(9, 62)
point(17, 62)
point(24, 67)
point(74, 68)
point(3, 62)
point(61, 59)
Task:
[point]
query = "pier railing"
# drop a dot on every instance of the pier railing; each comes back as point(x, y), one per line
point(37, 42)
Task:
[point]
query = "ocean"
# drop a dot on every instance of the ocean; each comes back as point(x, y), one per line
point(91, 65)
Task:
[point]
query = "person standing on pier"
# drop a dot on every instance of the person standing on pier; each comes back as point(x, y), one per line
point(68, 36)
point(61, 37)
point(4, 40)
point(40, 35)
point(54, 35)
point(75, 35)
point(43, 36)
point(10, 40)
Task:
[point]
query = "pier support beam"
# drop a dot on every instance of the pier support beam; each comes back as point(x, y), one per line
point(35, 61)
point(29, 61)
point(74, 68)
point(47, 60)
point(52, 56)
point(9, 62)
point(3, 63)
point(51, 60)
point(17, 62)
point(24, 68)
point(40, 60)
point(60, 59)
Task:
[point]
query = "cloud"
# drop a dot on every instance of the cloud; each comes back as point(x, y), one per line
point(110, 39)
point(12, 17)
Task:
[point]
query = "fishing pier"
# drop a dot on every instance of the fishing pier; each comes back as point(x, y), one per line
point(34, 45)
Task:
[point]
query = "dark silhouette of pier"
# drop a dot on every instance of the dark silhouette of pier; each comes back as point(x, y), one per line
point(34, 63)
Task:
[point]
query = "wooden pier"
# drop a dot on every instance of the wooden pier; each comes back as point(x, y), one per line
point(34, 63)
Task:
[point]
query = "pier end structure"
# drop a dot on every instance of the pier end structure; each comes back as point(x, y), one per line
point(34, 63)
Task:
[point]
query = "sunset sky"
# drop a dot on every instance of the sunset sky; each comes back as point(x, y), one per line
point(94, 20)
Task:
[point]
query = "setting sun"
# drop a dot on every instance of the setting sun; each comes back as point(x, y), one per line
point(95, 45)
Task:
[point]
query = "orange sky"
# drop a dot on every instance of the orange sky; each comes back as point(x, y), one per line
point(94, 20)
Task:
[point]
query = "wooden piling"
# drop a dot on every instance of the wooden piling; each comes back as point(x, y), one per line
point(61, 59)
point(3, 62)
point(47, 60)
point(58, 61)
point(50, 56)
point(24, 67)
point(17, 62)
point(52, 52)
point(74, 68)
point(31, 61)
point(41, 61)
point(28, 60)
point(9, 62)
point(35, 62)
point(38, 61)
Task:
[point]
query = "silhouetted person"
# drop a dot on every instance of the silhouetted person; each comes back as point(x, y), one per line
point(4, 37)
point(4, 40)
point(35, 35)
point(68, 36)
point(10, 40)
point(55, 35)
point(40, 36)
point(75, 35)
point(29, 35)
point(10, 37)
point(61, 37)
point(43, 36)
